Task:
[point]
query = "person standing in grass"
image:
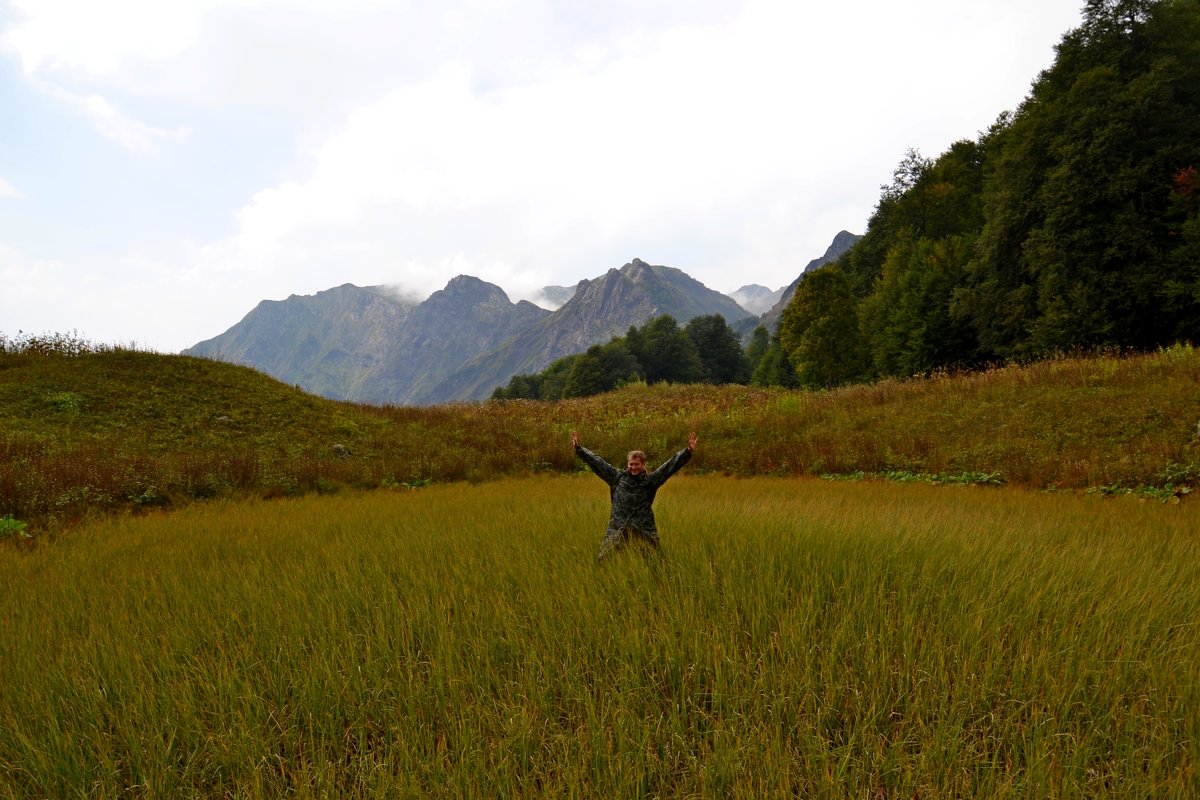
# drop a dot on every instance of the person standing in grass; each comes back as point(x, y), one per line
point(632, 490)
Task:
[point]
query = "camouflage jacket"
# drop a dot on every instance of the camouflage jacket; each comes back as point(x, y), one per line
point(632, 495)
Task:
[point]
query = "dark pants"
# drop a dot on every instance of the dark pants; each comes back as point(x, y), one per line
point(614, 538)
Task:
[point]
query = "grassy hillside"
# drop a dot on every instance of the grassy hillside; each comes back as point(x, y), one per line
point(90, 432)
point(796, 639)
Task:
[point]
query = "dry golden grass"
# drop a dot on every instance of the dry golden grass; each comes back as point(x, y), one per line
point(797, 638)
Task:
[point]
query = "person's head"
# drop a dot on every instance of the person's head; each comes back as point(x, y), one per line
point(635, 462)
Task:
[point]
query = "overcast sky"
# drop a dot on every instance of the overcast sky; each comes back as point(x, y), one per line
point(167, 164)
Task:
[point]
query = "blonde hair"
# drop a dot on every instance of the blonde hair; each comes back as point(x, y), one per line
point(638, 454)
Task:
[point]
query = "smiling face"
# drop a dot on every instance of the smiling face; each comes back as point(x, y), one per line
point(636, 465)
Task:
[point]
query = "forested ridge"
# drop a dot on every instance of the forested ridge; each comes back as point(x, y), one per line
point(1074, 222)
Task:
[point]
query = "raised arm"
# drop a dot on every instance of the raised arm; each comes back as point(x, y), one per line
point(674, 463)
point(606, 471)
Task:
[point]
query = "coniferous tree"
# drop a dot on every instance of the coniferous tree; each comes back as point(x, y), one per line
point(722, 359)
point(665, 352)
point(760, 340)
point(774, 368)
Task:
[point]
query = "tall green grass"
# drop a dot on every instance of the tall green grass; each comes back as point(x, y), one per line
point(795, 637)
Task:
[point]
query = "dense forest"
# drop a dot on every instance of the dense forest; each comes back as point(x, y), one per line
point(1072, 223)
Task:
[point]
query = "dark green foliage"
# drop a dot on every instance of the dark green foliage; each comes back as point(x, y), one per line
point(895, 212)
point(760, 341)
point(520, 387)
point(933, 214)
point(1181, 290)
point(554, 378)
point(706, 351)
point(549, 384)
point(721, 357)
point(774, 367)
point(1074, 222)
point(665, 352)
point(601, 369)
point(1079, 247)
point(906, 320)
point(819, 330)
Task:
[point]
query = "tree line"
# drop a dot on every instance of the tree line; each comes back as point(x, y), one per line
point(705, 350)
point(1072, 223)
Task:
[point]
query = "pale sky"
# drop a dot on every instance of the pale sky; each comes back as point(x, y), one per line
point(167, 164)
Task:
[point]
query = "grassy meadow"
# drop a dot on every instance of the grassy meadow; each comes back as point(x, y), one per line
point(87, 432)
point(797, 637)
point(218, 586)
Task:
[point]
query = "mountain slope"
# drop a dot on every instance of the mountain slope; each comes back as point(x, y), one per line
point(327, 343)
point(365, 345)
point(599, 310)
point(454, 325)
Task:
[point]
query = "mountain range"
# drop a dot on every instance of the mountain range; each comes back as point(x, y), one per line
point(371, 345)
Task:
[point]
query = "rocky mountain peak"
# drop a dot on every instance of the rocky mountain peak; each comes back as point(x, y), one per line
point(466, 295)
point(841, 243)
point(470, 286)
point(374, 345)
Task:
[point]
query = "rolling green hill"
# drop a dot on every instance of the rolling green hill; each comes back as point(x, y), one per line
point(97, 431)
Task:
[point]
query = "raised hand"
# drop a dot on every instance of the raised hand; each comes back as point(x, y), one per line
point(692, 440)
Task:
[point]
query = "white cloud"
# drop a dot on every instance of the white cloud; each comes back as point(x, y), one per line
point(113, 124)
point(98, 38)
point(713, 134)
point(132, 134)
point(8, 190)
point(109, 121)
point(530, 142)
